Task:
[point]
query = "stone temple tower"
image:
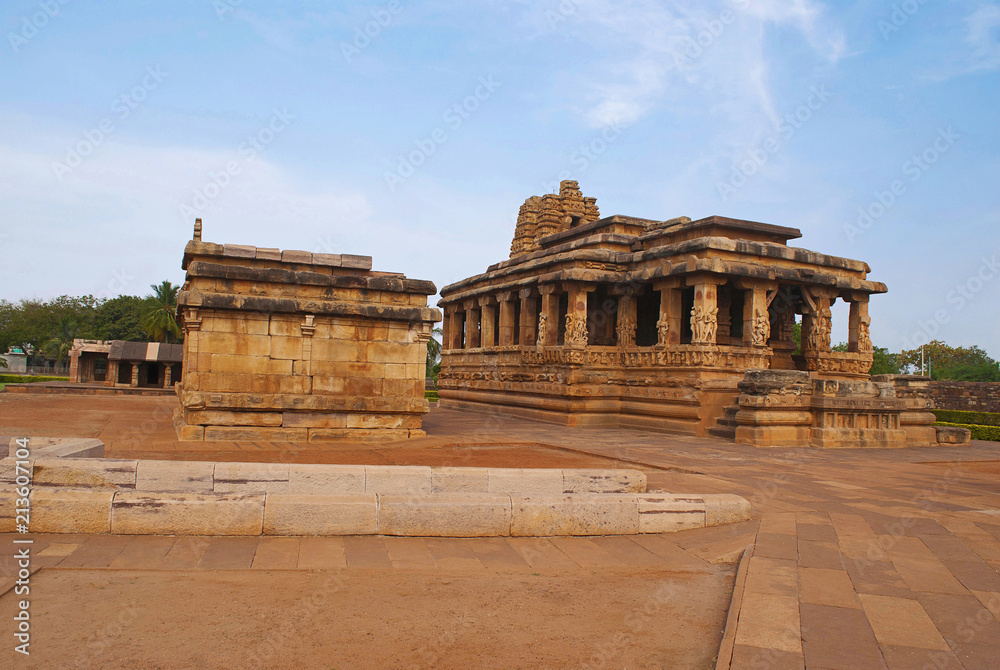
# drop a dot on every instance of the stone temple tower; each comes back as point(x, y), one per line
point(543, 215)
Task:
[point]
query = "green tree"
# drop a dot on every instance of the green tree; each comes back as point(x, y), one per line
point(953, 363)
point(58, 346)
point(159, 317)
point(884, 363)
point(434, 353)
point(120, 319)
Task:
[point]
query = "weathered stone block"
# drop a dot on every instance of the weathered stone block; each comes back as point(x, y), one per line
point(264, 254)
point(665, 513)
point(79, 472)
point(314, 420)
point(250, 434)
point(140, 513)
point(576, 514)
point(406, 479)
point(251, 478)
point(192, 476)
point(240, 251)
point(527, 481)
point(603, 481)
point(326, 479)
point(214, 417)
point(445, 515)
point(357, 262)
point(291, 256)
point(332, 260)
point(723, 508)
point(286, 347)
point(361, 434)
point(945, 435)
point(66, 510)
point(460, 480)
point(292, 514)
point(9, 470)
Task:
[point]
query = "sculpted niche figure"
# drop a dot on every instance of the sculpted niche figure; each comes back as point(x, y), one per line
point(576, 331)
point(543, 330)
point(761, 328)
point(704, 324)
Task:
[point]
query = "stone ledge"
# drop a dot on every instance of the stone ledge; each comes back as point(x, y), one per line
point(68, 510)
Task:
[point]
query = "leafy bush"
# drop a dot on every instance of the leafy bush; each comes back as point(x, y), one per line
point(27, 379)
point(958, 416)
point(989, 433)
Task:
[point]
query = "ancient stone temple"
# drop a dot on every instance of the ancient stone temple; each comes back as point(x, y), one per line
point(297, 346)
point(621, 321)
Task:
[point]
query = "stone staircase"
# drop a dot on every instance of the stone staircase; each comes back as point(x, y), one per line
point(725, 425)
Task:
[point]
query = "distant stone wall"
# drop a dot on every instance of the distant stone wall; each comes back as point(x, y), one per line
point(966, 396)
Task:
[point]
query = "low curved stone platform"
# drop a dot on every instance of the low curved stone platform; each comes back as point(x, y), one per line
point(59, 509)
point(146, 497)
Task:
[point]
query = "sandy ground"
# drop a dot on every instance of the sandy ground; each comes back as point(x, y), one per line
point(372, 619)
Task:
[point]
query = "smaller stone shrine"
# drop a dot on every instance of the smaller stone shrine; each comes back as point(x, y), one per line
point(299, 346)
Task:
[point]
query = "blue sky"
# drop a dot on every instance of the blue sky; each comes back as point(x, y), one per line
point(413, 131)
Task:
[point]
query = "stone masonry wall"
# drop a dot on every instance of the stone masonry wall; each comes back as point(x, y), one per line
point(966, 396)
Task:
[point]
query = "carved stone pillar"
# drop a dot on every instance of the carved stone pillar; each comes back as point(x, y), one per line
point(705, 313)
point(756, 320)
point(453, 333)
point(135, 373)
point(627, 322)
point(192, 328)
point(548, 319)
point(816, 321)
point(668, 327)
point(472, 340)
point(308, 330)
point(487, 329)
point(529, 317)
point(859, 336)
point(724, 302)
point(576, 315)
point(506, 318)
point(167, 375)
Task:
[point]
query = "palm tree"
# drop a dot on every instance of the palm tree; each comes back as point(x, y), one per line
point(433, 351)
point(158, 319)
point(62, 341)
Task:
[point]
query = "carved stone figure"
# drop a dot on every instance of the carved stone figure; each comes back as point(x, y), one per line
point(543, 330)
point(576, 331)
point(663, 330)
point(704, 324)
point(864, 336)
point(626, 330)
point(761, 328)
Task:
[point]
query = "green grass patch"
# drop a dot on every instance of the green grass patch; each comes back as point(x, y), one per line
point(989, 433)
point(28, 379)
point(976, 418)
point(431, 395)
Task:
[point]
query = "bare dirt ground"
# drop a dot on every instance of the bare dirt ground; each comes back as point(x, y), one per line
point(373, 619)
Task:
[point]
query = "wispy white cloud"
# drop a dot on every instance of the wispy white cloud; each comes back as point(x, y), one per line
point(657, 55)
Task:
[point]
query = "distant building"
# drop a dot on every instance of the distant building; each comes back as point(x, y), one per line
point(17, 362)
point(119, 363)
